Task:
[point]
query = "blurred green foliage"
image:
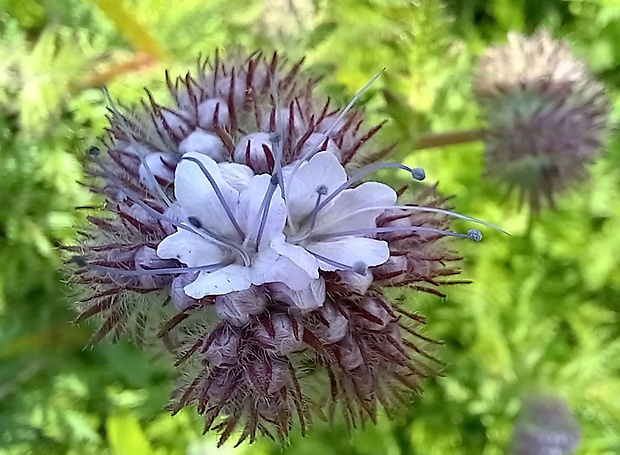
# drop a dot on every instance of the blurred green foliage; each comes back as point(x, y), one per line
point(542, 314)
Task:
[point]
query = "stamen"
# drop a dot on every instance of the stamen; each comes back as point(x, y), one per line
point(321, 191)
point(473, 234)
point(417, 208)
point(136, 146)
point(418, 174)
point(218, 192)
point(317, 146)
point(264, 210)
point(163, 271)
point(359, 267)
point(415, 172)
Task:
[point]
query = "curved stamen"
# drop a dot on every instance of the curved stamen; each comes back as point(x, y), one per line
point(163, 271)
point(317, 146)
point(217, 191)
point(321, 191)
point(473, 234)
point(264, 209)
point(415, 173)
point(359, 267)
point(134, 197)
point(276, 142)
point(413, 208)
point(137, 147)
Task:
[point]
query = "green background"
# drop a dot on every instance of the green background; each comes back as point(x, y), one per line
point(541, 316)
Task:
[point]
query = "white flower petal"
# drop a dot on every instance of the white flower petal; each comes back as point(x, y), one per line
point(322, 171)
point(270, 267)
point(198, 198)
point(231, 278)
point(350, 251)
point(347, 212)
point(191, 249)
point(237, 175)
point(299, 256)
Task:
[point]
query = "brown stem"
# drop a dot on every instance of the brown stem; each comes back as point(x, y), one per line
point(432, 140)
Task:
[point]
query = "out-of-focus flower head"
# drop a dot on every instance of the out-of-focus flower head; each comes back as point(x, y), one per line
point(545, 426)
point(241, 230)
point(547, 117)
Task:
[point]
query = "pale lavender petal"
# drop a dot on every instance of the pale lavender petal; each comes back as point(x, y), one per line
point(323, 171)
point(346, 212)
point(231, 278)
point(271, 267)
point(191, 249)
point(299, 256)
point(237, 175)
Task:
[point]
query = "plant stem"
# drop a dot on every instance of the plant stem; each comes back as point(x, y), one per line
point(432, 140)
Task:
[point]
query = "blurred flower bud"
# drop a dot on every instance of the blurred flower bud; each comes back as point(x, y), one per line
point(545, 426)
point(547, 117)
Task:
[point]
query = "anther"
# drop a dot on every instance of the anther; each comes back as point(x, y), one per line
point(322, 190)
point(475, 235)
point(94, 151)
point(194, 222)
point(360, 267)
point(418, 174)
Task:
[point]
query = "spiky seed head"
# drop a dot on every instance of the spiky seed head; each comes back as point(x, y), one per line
point(547, 117)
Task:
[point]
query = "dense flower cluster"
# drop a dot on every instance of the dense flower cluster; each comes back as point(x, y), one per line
point(241, 230)
point(547, 117)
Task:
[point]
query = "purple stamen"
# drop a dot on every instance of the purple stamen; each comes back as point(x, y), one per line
point(163, 271)
point(321, 191)
point(264, 209)
point(361, 174)
point(419, 208)
point(218, 192)
point(473, 234)
point(317, 146)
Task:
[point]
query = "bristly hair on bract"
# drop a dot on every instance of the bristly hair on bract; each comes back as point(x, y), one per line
point(254, 358)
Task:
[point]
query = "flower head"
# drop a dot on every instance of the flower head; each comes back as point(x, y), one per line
point(238, 209)
point(547, 117)
point(545, 426)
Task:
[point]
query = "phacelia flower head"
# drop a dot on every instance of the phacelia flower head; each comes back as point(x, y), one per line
point(545, 426)
point(547, 117)
point(242, 231)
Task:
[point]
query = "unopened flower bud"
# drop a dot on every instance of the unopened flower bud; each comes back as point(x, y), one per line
point(547, 117)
